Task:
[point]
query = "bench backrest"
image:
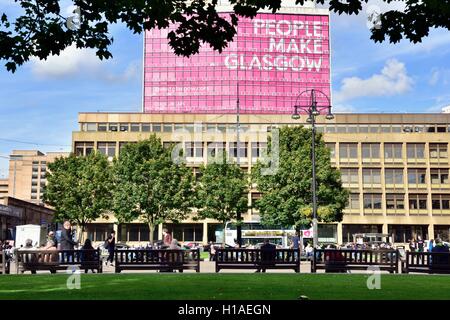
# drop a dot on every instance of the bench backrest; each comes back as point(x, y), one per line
point(428, 260)
point(156, 256)
point(246, 256)
point(58, 257)
point(355, 256)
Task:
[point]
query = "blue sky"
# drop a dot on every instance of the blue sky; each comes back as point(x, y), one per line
point(39, 103)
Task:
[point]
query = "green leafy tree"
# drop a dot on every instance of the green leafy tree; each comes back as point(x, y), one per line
point(79, 188)
point(42, 28)
point(222, 192)
point(149, 186)
point(287, 194)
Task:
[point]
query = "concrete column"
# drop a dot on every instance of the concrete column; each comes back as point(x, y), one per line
point(431, 231)
point(205, 232)
point(384, 228)
point(339, 233)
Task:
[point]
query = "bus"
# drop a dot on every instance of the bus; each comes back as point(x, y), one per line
point(254, 232)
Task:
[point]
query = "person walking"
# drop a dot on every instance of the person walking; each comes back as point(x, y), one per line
point(110, 245)
point(295, 244)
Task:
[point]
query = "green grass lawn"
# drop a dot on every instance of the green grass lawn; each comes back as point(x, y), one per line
point(224, 286)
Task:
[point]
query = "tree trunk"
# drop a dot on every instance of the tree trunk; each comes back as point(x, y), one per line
point(223, 237)
point(151, 228)
point(80, 233)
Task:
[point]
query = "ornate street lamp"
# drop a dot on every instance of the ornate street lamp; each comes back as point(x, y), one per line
point(312, 110)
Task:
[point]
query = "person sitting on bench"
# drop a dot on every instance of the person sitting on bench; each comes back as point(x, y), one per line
point(268, 255)
point(440, 260)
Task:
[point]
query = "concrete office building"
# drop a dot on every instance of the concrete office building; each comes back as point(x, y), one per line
point(395, 165)
point(27, 170)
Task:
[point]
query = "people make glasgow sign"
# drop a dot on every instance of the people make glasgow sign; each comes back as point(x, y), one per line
point(273, 57)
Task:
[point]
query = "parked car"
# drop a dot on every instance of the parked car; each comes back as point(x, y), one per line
point(193, 245)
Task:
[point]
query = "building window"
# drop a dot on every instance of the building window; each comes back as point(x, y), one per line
point(348, 150)
point(417, 202)
point(107, 148)
point(84, 148)
point(98, 231)
point(332, 148)
point(349, 176)
point(370, 151)
point(372, 177)
point(372, 201)
point(393, 176)
point(167, 128)
point(353, 201)
point(215, 149)
point(395, 201)
point(194, 149)
point(438, 151)
point(242, 149)
point(442, 232)
point(135, 127)
point(439, 176)
point(113, 127)
point(91, 127)
point(124, 127)
point(393, 151)
point(415, 151)
point(257, 149)
point(186, 231)
point(137, 232)
point(440, 202)
point(416, 176)
point(156, 127)
point(102, 127)
point(146, 127)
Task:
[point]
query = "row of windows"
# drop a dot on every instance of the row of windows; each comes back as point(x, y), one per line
point(395, 176)
point(329, 128)
point(373, 201)
point(391, 150)
point(191, 149)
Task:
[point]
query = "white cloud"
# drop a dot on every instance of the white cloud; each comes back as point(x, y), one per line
point(392, 80)
point(75, 62)
point(70, 62)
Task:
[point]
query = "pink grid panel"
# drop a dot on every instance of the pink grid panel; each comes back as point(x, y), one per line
point(273, 57)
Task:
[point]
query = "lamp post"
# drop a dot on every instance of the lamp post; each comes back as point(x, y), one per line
point(313, 110)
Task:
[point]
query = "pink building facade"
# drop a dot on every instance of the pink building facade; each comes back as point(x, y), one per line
point(272, 59)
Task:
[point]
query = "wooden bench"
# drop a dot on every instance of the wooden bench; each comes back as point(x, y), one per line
point(4, 263)
point(159, 259)
point(427, 262)
point(53, 260)
point(343, 260)
point(257, 259)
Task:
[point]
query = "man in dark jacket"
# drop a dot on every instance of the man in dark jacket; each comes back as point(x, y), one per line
point(268, 255)
point(67, 242)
